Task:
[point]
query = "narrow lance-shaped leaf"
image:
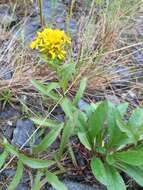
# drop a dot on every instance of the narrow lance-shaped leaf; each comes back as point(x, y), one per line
point(10, 149)
point(55, 182)
point(48, 140)
point(67, 132)
point(3, 157)
point(46, 90)
point(45, 122)
point(36, 185)
point(17, 177)
point(80, 91)
point(67, 107)
point(35, 163)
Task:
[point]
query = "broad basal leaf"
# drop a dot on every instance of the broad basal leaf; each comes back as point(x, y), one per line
point(96, 120)
point(132, 157)
point(84, 140)
point(107, 175)
point(114, 180)
point(122, 108)
point(116, 137)
point(136, 119)
point(98, 170)
point(132, 136)
point(133, 171)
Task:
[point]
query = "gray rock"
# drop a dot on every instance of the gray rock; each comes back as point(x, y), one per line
point(138, 57)
point(82, 104)
point(23, 130)
point(54, 14)
point(77, 186)
point(8, 132)
point(9, 113)
point(123, 75)
point(9, 174)
point(114, 99)
point(5, 74)
point(22, 187)
point(6, 17)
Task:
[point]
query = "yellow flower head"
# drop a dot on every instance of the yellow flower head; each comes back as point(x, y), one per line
point(51, 42)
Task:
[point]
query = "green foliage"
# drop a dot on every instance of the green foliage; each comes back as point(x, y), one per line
point(6, 97)
point(17, 176)
point(54, 181)
point(47, 140)
point(115, 144)
point(112, 141)
point(23, 160)
point(3, 157)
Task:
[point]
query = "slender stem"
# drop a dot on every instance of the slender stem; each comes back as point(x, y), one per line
point(40, 4)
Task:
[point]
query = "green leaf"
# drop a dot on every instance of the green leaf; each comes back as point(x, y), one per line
point(36, 185)
point(47, 140)
point(80, 91)
point(117, 137)
point(67, 132)
point(54, 181)
point(67, 107)
point(96, 120)
point(47, 90)
point(132, 137)
point(65, 74)
point(3, 157)
point(107, 175)
point(10, 149)
point(98, 170)
point(114, 180)
point(17, 177)
point(133, 171)
point(84, 140)
point(122, 108)
point(136, 119)
point(45, 122)
point(132, 157)
point(35, 163)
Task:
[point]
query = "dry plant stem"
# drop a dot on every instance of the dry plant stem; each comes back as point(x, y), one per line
point(40, 4)
point(7, 164)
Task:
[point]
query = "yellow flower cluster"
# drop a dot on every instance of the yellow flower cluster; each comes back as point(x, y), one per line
point(51, 42)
